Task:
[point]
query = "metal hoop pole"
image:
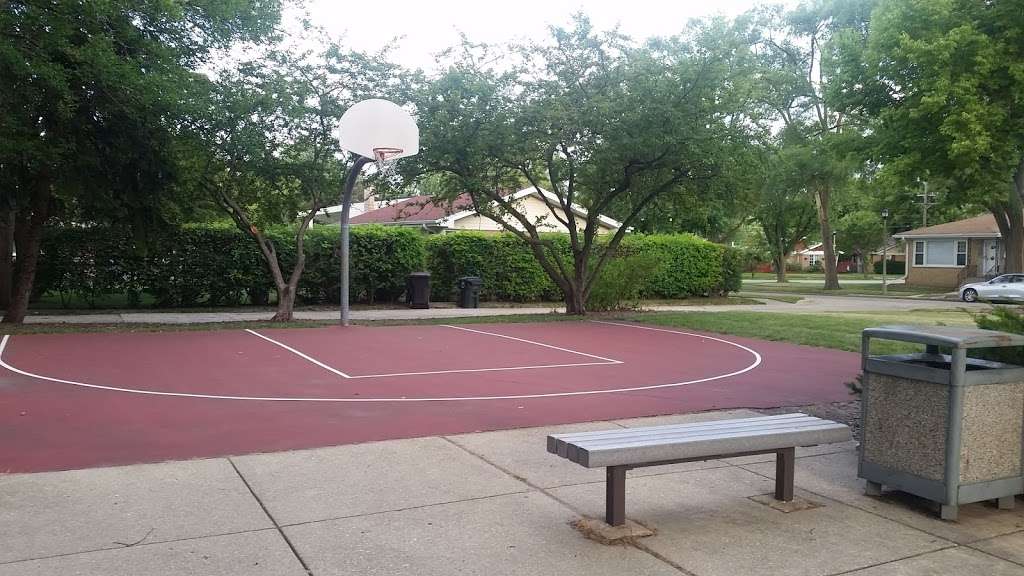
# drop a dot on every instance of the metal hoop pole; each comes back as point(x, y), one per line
point(346, 202)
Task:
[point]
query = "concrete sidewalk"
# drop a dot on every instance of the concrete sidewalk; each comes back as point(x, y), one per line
point(808, 304)
point(490, 503)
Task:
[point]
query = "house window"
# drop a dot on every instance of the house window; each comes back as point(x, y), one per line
point(940, 253)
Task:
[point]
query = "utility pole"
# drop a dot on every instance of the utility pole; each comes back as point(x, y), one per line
point(927, 199)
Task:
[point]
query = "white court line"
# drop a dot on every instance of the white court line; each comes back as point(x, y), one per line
point(299, 354)
point(461, 370)
point(757, 361)
point(608, 360)
point(680, 332)
point(604, 361)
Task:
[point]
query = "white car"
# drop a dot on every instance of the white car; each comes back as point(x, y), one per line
point(1006, 287)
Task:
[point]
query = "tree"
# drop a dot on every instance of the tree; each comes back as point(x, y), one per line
point(91, 101)
point(785, 212)
point(860, 233)
point(794, 75)
point(268, 154)
point(944, 82)
point(598, 121)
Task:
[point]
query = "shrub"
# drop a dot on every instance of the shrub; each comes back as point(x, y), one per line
point(219, 265)
point(892, 267)
point(734, 260)
point(509, 270)
point(690, 265)
point(1004, 319)
point(621, 281)
point(687, 266)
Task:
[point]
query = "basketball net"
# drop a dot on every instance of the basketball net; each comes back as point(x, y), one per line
point(387, 163)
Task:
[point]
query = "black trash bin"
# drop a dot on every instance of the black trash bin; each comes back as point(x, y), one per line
point(417, 290)
point(469, 291)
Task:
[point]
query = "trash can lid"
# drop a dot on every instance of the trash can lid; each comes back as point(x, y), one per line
point(471, 279)
point(419, 274)
point(950, 336)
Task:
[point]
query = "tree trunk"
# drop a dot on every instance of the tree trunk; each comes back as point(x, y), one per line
point(285, 304)
point(575, 301)
point(28, 235)
point(821, 197)
point(6, 256)
point(1014, 241)
point(780, 268)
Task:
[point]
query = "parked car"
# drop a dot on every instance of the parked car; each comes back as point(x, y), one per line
point(1006, 287)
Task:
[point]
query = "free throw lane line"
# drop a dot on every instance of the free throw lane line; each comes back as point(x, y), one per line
point(577, 352)
point(6, 339)
point(299, 354)
point(603, 360)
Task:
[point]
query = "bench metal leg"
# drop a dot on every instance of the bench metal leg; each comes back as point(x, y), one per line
point(948, 511)
point(873, 488)
point(785, 465)
point(615, 496)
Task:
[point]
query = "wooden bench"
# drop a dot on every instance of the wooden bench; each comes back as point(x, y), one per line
point(621, 449)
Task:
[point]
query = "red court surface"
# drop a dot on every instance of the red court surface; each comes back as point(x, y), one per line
point(82, 400)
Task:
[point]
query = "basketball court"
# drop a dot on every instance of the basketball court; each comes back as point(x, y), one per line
point(83, 400)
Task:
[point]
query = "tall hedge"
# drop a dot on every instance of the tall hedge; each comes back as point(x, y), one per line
point(219, 265)
point(508, 268)
point(689, 265)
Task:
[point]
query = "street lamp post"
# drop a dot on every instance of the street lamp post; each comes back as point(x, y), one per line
point(885, 247)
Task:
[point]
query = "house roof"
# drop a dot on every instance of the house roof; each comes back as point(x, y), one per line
point(424, 210)
point(981, 226)
point(414, 210)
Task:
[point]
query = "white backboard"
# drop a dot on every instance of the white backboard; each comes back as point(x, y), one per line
point(376, 123)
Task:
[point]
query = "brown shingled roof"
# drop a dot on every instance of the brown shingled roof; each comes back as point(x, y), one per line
point(981, 225)
point(416, 209)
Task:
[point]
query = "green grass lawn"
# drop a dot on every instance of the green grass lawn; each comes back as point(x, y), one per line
point(895, 290)
point(835, 330)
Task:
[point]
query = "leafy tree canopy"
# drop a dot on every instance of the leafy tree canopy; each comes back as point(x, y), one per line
point(596, 119)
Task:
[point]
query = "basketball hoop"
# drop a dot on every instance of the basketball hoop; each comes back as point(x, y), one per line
point(378, 131)
point(387, 163)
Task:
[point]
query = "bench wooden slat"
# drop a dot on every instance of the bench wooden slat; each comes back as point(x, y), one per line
point(712, 446)
point(634, 446)
point(570, 450)
point(575, 436)
point(557, 442)
point(562, 444)
point(694, 435)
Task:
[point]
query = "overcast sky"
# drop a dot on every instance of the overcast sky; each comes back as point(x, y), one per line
point(426, 27)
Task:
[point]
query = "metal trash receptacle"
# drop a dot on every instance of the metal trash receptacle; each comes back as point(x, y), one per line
point(469, 291)
point(944, 427)
point(417, 290)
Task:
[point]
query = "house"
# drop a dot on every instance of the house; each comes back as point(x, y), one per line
point(895, 253)
point(947, 255)
point(807, 257)
point(332, 214)
point(437, 216)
